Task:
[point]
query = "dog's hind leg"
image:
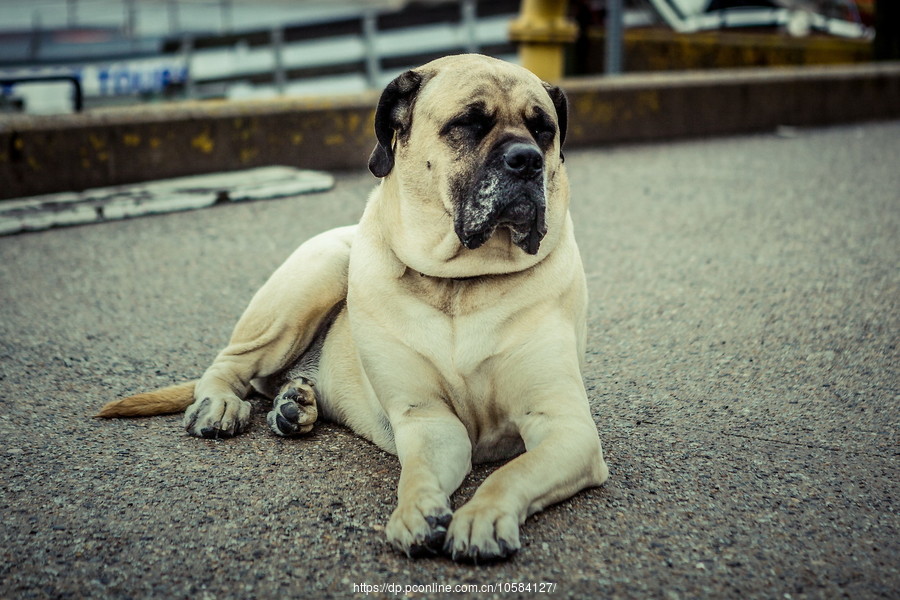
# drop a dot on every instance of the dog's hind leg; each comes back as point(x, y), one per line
point(295, 408)
point(279, 325)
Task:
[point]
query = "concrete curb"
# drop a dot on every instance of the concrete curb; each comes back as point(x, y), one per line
point(40, 155)
point(645, 107)
point(171, 195)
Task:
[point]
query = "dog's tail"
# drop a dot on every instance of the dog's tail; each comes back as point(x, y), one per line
point(170, 399)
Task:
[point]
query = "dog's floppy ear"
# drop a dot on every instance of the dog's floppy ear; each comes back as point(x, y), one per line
point(393, 116)
point(562, 111)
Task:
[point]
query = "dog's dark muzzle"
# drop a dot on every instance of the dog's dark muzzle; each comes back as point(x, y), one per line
point(517, 204)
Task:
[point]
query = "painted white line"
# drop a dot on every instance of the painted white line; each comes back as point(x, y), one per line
point(156, 197)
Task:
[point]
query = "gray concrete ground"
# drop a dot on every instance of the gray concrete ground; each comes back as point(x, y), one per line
point(742, 369)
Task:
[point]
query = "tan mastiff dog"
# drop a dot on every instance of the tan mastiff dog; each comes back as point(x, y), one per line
point(447, 327)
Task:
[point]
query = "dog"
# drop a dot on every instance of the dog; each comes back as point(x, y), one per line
point(447, 327)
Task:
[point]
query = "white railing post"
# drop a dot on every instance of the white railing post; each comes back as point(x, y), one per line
point(227, 17)
point(470, 25)
point(130, 18)
point(373, 64)
point(72, 13)
point(172, 9)
point(34, 44)
point(187, 52)
point(277, 42)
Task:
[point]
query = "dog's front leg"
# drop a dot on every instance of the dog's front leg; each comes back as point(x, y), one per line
point(563, 455)
point(278, 325)
point(435, 455)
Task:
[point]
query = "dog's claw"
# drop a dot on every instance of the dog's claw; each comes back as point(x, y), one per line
point(420, 529)
point(476, 555)
point(481, 532)
point(213, 418)
point(432, 545)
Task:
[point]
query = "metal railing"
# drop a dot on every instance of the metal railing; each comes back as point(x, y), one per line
point(342, 54)
point(276, 55)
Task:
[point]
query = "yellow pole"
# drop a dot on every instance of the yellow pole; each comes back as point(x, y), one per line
point(542, 31)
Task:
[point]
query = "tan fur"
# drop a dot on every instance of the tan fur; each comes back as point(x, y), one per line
point(173, 399)
point(439, 353)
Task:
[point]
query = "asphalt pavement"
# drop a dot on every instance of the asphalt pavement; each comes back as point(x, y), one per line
point(743, 370)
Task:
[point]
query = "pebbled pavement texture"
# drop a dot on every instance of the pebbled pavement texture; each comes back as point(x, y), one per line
point(743, 371)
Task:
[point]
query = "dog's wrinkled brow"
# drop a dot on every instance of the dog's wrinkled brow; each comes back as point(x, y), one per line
point(473, 109)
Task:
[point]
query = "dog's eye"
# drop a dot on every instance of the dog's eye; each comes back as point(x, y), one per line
point(476, 124)
point(542, 129)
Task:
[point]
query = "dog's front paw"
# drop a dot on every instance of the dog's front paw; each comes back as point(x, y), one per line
point(217, 417)
point(418, 528)
point(482, 533)
point(294, 411)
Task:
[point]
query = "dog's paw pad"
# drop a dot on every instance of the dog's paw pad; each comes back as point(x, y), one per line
point(294, 410)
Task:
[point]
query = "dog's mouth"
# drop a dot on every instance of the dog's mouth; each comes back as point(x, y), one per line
point(527, 224)
point(524, 218)
point(507, 193)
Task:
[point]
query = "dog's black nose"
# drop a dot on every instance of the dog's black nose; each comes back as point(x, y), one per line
point(524, 160)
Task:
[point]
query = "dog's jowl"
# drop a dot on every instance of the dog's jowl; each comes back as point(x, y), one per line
point(447, 327)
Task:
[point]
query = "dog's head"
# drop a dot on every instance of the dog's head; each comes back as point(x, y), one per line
point(480, 139)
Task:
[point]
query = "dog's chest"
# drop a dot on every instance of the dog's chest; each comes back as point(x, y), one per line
point(459, 325)
point(466, 330)
point(460, 341)
point(458, 337)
